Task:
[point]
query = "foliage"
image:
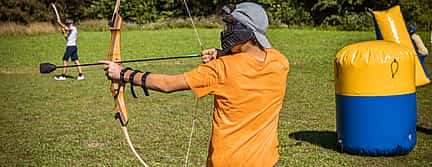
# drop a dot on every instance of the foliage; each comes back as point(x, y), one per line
point(418, 12)
point(343, 14)
point(24, 11)
point(28, 11)
point(289, 12)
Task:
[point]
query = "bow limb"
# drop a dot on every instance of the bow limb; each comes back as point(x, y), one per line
point(114, 56)
point(59, 22)
point(116, 88)
point(56, 12)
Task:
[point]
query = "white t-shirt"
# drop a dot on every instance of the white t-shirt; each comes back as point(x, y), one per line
point(72, 36)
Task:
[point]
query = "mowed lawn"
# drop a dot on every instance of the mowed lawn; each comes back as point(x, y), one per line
point(44, 122)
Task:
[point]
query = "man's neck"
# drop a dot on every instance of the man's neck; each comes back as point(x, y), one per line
point(254, 51)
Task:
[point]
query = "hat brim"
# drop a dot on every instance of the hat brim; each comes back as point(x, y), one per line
point(262, 40)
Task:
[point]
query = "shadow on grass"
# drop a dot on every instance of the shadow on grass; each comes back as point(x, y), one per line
point(424, 130)
point(325, 139)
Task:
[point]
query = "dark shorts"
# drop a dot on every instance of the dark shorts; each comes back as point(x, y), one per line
point(71, 52)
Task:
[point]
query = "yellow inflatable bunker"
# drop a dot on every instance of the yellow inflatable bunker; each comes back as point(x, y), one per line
point(390, 26)
point(375, 98)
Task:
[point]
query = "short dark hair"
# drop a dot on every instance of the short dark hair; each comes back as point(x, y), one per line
point(69, 21)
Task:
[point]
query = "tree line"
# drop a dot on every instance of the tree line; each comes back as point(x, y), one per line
point(342, 14)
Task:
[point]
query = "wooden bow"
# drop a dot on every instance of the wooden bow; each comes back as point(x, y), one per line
point(59, 22)
point(114, 56)
point(116, 87)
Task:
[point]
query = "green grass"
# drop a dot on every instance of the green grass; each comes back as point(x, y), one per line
point(49, 123)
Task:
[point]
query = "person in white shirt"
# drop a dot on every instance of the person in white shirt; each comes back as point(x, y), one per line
point(71, 49)
point(420, 48)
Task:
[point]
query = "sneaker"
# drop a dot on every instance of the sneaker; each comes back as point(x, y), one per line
point(80, 77)
point(60, 77)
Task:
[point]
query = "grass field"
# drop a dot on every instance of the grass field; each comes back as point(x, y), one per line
point(50, 123)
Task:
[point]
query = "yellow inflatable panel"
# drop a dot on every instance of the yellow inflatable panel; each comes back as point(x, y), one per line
point(391, 26)
point(374, 68)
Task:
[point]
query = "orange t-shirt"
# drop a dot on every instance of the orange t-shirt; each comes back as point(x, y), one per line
point(248, 97)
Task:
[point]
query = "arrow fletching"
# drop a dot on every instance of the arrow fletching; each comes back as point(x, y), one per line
point(47, 68)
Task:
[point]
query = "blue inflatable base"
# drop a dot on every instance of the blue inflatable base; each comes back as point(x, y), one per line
point(376, 125)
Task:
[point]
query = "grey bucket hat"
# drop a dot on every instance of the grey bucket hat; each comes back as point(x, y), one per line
point(255, 17)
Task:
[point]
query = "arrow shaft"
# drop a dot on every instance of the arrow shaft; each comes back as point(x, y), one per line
point(139, 60)
point(81, 65)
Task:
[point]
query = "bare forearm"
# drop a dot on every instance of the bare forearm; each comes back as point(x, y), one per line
point(62, 25)
point(160, 82)
point(64, 29)
point(420, 46)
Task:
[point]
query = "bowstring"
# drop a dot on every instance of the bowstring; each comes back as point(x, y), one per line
point(197, 100)
point(192, 131)
point(193, 25)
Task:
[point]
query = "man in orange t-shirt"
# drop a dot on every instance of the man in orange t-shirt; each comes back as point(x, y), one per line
point(248, 83)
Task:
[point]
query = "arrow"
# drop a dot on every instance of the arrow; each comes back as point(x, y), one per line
point(48, 67)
